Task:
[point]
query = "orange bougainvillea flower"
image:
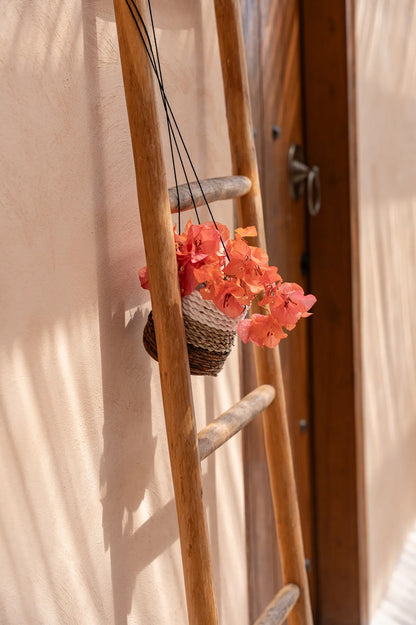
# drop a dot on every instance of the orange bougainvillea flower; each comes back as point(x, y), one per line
point(263, 330)
point(271, 280)
point(227, 298)
point(250, 231)
point(232, 274)
point(144, 278)
point(199, 245)
point(202, 241)
point(293, 305)
point(246, 265)
point(226, 293)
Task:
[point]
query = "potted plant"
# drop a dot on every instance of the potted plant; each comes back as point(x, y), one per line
point(219, 280)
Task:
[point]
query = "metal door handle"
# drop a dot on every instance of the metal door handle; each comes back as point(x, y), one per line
point(301, 176)
point(314, 191)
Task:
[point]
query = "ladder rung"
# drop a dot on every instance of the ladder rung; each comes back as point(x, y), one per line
point(233, 420)
point(214, 189)
point(279, 608)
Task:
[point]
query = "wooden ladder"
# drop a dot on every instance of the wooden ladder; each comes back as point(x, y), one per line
point(186, 448)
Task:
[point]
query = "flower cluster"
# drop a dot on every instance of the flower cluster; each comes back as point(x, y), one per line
point(233, 274)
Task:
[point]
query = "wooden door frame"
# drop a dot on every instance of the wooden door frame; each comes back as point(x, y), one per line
point(328, 67)
point(328, 57)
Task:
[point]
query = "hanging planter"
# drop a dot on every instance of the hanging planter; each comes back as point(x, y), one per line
point(209, 334)
point(219, 279)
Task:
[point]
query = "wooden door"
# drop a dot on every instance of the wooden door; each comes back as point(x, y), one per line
point(301, 63)
point(272, 37)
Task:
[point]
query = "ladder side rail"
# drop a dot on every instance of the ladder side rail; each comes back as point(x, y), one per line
point(268, 365)
point(167, 312)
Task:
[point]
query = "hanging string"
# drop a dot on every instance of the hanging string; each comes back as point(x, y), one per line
point(150, 53)
point(170, 117)
point(170, 131)
point(168, 110)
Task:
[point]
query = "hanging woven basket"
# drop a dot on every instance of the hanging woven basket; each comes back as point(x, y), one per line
point(209, 334)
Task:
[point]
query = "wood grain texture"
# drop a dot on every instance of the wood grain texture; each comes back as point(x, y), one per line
point(214, 189)
point(279, 608)
point(166, 304)
point(330, 136)
point(233, 420)
point(267, 361)
point(286, 233)
point(263, 562)
point(272, 41)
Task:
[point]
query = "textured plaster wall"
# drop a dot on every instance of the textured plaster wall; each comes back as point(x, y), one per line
point(386, 74)
point(88, 531)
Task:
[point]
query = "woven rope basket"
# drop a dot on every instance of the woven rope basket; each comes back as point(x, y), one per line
point(209, 334)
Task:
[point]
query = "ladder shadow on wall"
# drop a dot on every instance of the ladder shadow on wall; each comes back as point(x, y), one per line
point(127, 463)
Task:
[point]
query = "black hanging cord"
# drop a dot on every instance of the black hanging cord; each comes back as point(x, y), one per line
point(167, 117)
point(166, 106)
point(156, 66)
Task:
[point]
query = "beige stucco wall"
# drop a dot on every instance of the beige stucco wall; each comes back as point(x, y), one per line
point(386, 78)
point(88, 531)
